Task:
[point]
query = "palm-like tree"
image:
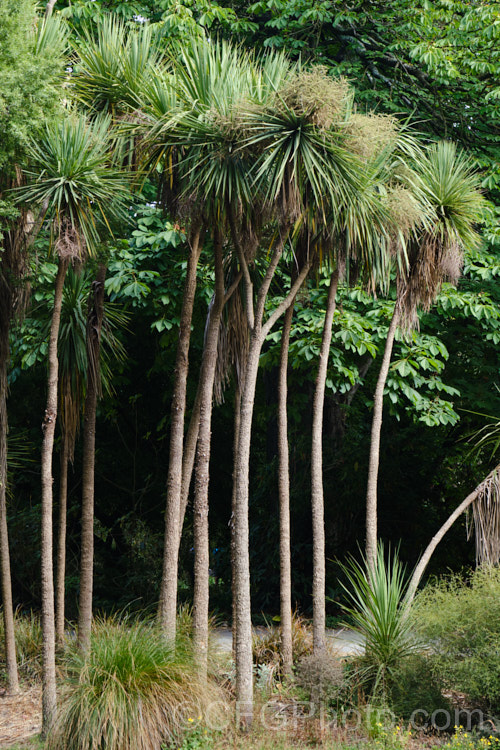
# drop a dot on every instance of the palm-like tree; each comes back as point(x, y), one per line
point(302, 170)
point(444, 184)
point(71, 178)
point(28, 39)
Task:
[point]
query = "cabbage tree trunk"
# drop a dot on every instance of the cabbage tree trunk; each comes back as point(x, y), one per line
point(7, 606)
point(168, 592)
point(284, 499)
point(202, 470)
point(317, 498)
point(94, 328)
point(374, 460)
point(61, 541)
point(242, 605)
point(49, 697)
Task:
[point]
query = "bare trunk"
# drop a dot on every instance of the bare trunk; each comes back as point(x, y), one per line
point(237, 413)
point(242, 605)
point(241, 572)
point(424, 560)
point(8, 609)
point(202, 472)
point(94, 327)
point(168, 592)
point(284, 500)
point(373, 464)
point(189, 454)
point(317, 499)
point(49, 699)
point(61, 543)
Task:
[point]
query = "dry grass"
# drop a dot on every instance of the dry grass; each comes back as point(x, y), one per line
point(266, 648)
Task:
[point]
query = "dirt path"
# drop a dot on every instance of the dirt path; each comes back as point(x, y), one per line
point(20, 716)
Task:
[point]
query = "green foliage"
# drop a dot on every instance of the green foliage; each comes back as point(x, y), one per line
point(131, 690)
point(31, 67)
point(72, 181)
point(415, 686)
point(460, 620)
point(379, 611)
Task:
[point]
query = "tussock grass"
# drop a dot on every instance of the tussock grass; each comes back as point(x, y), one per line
point(28, 635)
point(132, 690)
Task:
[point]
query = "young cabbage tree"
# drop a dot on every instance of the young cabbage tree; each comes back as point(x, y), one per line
point(71, 178)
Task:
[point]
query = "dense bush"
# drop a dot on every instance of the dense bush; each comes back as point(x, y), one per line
point(414, 686)
point(460, 621)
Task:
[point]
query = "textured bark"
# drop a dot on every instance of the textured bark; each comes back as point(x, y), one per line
point(424, 560)
point(168, 592)
point(201, 533)
point(241, 571)
point(284, 499)
point(373, 464)
point(237, 412)
point(189, 453)
point(61, 542)
point(7, 606)
point(94, 327)
point(317, 499)
point(49, 699)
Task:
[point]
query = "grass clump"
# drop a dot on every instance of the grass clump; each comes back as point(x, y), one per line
point(132, 690)
point(28, 635)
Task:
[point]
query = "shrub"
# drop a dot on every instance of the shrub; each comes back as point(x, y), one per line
point(132, 690)
point(267, 648)
point(415, 686)
point(320, 677)
point(460, 620)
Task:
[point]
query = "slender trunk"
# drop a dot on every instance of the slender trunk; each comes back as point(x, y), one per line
point(8, 609)
point(373, 464)
point(241, 572)
point(168, 592)
point(237, 413)
point(424, 560)
point(317, 499)
point(202, 472)
point(284, 500)
point(94, 327)
point(189, 452)
point(49, 699)
point(61, 543)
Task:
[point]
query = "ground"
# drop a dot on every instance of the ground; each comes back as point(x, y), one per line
point(20, 716)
